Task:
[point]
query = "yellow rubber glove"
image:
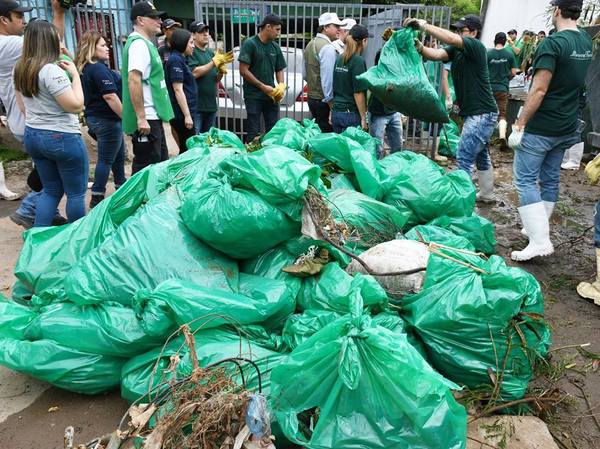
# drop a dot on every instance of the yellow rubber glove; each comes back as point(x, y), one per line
point(221, 59)
point(592, 170)
point(278, 92)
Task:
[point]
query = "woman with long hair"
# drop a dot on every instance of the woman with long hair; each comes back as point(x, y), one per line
point(349, 94)
point(181, 85)
point(52, 138)
point(103, 110)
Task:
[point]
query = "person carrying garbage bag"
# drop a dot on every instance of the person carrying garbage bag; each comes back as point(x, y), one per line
point(548, 124)
point(473, 93)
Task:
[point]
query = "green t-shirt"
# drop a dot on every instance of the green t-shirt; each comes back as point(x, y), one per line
point(500, 64)
point(207, 84)
point(264, 60)
point(376, 107)
point(509, 48)
point(471, 78)
point(567, 54)
point(345, 84)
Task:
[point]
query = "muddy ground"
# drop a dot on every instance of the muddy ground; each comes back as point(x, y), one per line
point(574, 425)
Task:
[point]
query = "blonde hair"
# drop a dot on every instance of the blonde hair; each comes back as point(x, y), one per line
point(86, 49)
point(41, 46)
point(352, 47)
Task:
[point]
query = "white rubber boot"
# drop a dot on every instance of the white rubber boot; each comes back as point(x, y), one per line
point(592, 290)
point(535, 221)
point(572, 158)
point(549, 211)
point(486, 186)
point(502, 127)
point(6, 194)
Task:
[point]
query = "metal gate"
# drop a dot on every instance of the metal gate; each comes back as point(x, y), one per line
point(233, 21)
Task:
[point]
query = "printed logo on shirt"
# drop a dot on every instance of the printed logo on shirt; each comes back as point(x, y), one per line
point(60, 79)
point(178, 69)
point(498, 61)
point(581, 56)
point(341, 69)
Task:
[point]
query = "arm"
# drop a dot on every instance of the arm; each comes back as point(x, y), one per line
point(434, 54)
point(137, 100)
point(182, 102)
point(114, 102)
point(513, 73)
point(20, 103)
point(327, 59)
point(541, 81)
point(445, 36)
point(248, 76)
point(445, 84)
point(361, 103)
point(58, 18)
point(202, 70)
point(516, 50)
point(219, 77)
point(71, 100)
point(279, 76)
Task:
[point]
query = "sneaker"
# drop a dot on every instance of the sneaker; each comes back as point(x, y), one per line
point(95, 200)
point(19, 219)
point(59, 220)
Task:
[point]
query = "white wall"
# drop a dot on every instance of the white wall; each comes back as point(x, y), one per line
point(503, 15)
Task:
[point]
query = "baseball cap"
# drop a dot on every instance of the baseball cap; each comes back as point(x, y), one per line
point(329, 18)
point(348, 24)
point(471, 21)
point(6, 6)
point(144, 9)
point(170, 23)
point(359, 32)
point(568, 4)
point(271, 19)
point(513, 31)
point(197, 26)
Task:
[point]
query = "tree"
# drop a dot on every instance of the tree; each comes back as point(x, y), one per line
point(460, 8)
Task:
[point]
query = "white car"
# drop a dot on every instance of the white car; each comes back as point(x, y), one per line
point(232, 110)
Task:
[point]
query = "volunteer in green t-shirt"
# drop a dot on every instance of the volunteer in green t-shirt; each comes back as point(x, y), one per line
point(208, 69)
point(261, 63)
point(502, 67)
point(512, 44)
point(548, 124)
point(473, 94)
point(349, 94)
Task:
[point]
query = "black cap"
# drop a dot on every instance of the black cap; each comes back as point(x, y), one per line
point(568, 4)
point(197, 26)
point(513, 31)
point(270, 19)
point(6, 6)
point(170, 23)
point(144, 9)
point(359, 32)
point(470, 21)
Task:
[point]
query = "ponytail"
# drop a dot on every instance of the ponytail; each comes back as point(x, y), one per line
point(352, 47)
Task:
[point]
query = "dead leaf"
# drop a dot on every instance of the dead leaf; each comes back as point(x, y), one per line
point(54, 408)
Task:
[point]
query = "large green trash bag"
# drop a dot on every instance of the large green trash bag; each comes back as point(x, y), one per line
point(340, 181)
point(366, 140)
point(107, 329)
point(67, 368)
point(370, 221)
point(478, 230)
point(372, 390)
point(421, 189)
point(149, 371)
point(434, 234)
point(175, 302)
point(449, 138)
point(400, 82)
point(333, 288)
point(236, 221)
point(350, 156)
point(289, 133)
point(215, 137)
point(14, 318)
point(150, 248)
point(473, 323)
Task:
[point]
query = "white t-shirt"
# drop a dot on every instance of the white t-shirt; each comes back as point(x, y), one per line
point(11, 48)
point(139, 59)
point(43, 111)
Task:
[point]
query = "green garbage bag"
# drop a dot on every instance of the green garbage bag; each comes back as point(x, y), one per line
point(435, 234)
point(370, 221)
point(333, 288)
point(399, 80)
point(107, 329)
point(289, 133)
point(449, 138)
point(67, 368)
point(366, 140)
point(14, 318)
point(236, 221)
point(215, 138)
point(363, 376)
point(175, 302)
point(149, 372)
point(421, 189)
point(150, 248)
point(478, 230)
point(340, 181)
point(471, 322)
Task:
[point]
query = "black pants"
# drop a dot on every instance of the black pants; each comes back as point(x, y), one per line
point(320, 112)
point(255, 109)
point(183, 134)
point(150, 149)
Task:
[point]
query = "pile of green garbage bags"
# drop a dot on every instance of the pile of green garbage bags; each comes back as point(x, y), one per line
point(204, 242)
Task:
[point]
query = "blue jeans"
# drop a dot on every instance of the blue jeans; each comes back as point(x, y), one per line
point(537, 161)
point(473, 147)
point(389, 125)
point(111, 152)
point(62, 162)
point(255, 109)
point(203, 121)
point(343, 119)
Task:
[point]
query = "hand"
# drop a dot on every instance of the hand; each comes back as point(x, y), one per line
point(222, 70)
point(514, 140)
point(68, 67)
point(267, 90)
point(277, 93)
point(387, 33)
point(143, 126)
point(56, 7)
point(417, 24)
point(188, 122)
point(449, 103)
point(329, 120)
point(363, 123)
point(221, 59)
point(419, 46)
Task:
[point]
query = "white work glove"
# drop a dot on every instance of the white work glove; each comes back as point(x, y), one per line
point(514, 140)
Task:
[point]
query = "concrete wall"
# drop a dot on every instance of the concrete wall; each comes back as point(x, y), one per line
point(503, 15)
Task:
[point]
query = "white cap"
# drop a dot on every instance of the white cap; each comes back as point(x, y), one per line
point(329, 18)
point(348, 24)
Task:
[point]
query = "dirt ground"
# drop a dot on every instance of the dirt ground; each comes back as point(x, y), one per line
point(574, 425)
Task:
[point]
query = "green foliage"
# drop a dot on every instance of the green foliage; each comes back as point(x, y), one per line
point(459, 7)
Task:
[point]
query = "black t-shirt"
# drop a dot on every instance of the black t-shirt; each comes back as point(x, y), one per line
point(177, 71)
point(98, 80)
